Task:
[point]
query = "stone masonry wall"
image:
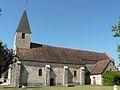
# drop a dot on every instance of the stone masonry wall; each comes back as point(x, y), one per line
point(111, 67)
point(29, 73)
point(22, 43)
point(96, 79)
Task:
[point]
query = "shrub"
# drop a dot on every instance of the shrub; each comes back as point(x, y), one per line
point(111, 78)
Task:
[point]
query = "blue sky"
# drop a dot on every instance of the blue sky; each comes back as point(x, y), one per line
point(78, 24)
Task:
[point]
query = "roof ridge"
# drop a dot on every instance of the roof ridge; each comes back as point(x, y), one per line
point(70, 48)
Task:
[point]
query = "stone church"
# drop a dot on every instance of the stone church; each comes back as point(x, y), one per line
point(44, 65)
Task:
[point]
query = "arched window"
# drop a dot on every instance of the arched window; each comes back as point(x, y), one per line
point(40, 72)
point(23, 35)
point(75, 73)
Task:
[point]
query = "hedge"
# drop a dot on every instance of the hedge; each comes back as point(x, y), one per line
point(111, 78)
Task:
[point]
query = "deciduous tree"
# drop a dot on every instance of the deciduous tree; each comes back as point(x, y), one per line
point(116, 34)
point(0, 11)
point(6, 57)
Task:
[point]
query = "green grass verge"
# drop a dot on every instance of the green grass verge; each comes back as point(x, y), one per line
point(66, 88)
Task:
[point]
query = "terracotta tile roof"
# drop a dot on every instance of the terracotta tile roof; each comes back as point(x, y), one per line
point(99, 67)
point(84, 55)
point(50, 54)
point(45, 53)
point(92, 56)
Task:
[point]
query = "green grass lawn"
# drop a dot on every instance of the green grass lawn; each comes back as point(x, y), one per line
point(66, 88)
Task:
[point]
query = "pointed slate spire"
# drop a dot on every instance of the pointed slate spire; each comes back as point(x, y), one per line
point(24, 24)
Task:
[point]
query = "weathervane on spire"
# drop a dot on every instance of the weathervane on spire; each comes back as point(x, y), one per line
point(26, 4)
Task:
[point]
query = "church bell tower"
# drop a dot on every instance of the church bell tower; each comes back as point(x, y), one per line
point(22, 35)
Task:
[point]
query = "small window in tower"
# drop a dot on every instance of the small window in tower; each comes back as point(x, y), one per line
point(40, 72)
point(75, 73)
point(23, 35)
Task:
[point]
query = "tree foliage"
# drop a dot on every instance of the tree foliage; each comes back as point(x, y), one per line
point(116, 34)
point(111, 78)
point(6, 58)
point(1, 51)
point(0, 11)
